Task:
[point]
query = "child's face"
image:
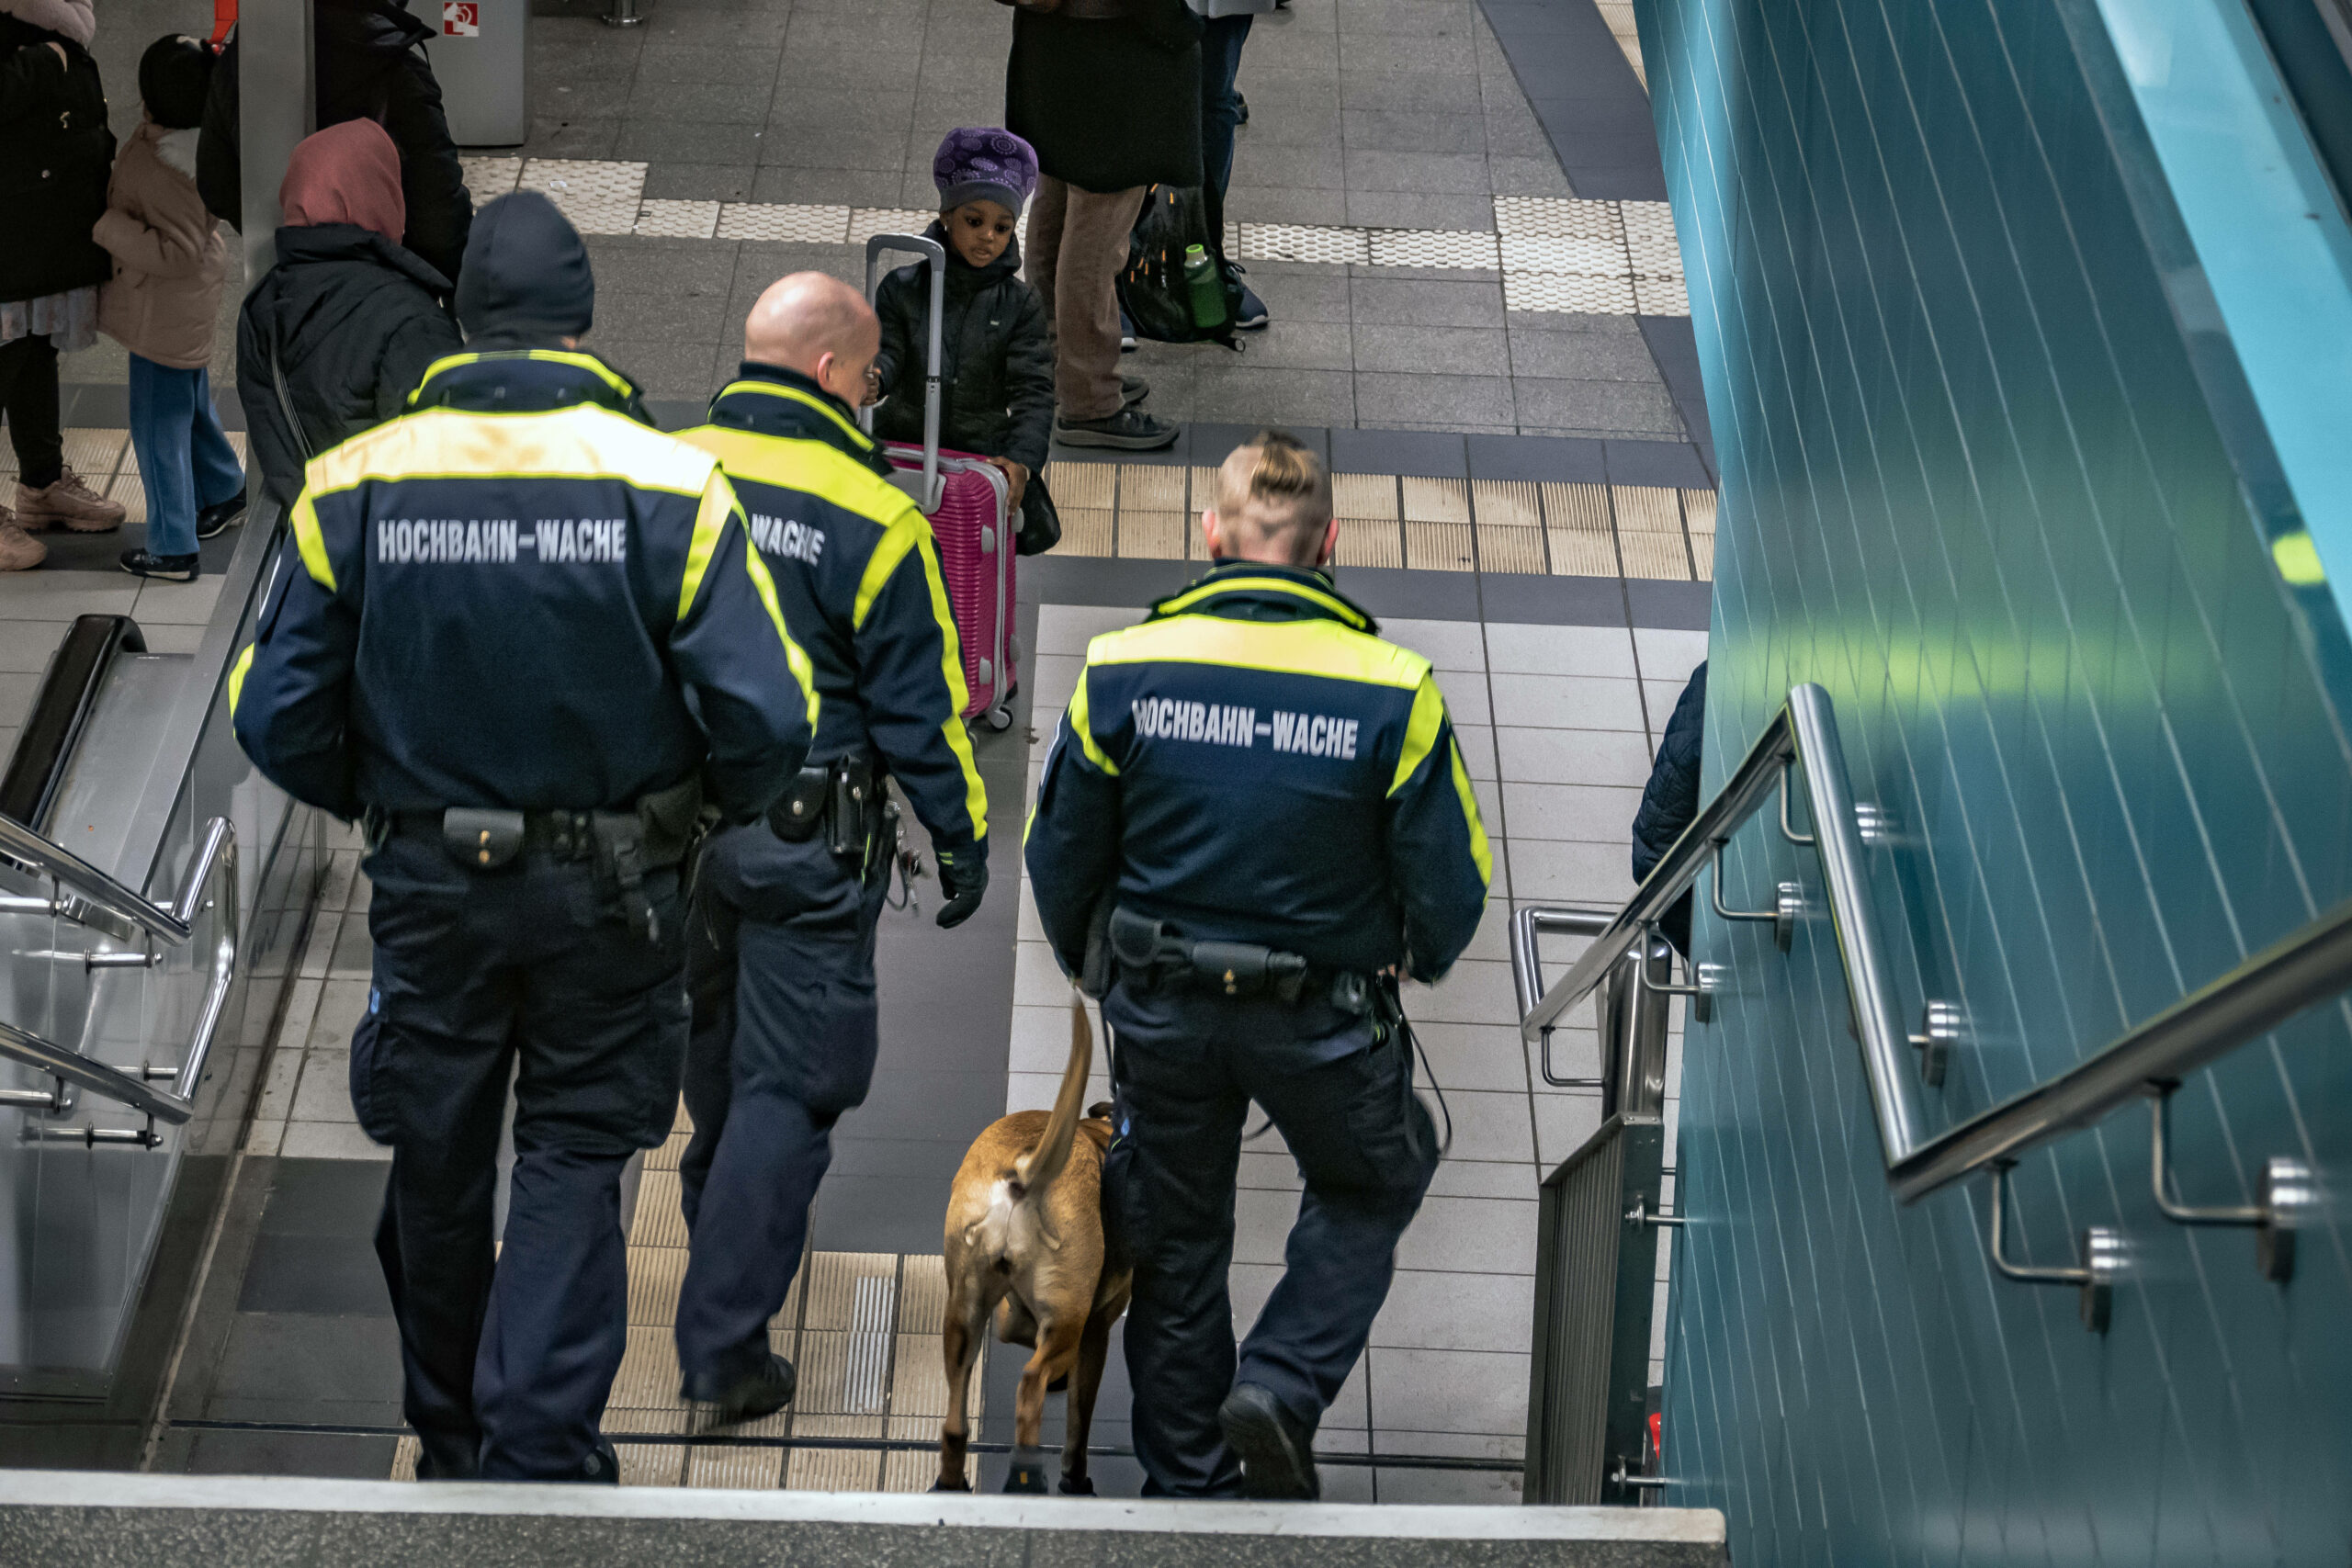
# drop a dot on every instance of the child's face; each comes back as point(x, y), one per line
point(979, 230)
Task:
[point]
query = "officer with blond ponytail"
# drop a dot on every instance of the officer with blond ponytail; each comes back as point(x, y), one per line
point(1253, 822)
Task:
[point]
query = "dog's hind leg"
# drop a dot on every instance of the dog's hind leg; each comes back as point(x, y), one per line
point(960, 1338)
point(1086, 1381)
point(1058, 1345)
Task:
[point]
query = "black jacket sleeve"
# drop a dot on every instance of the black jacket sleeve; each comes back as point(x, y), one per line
point(217, 176)
point(1072, 844)
point(440, 208)
point(900, 302)
point(1029, 383)
point(1670, 800)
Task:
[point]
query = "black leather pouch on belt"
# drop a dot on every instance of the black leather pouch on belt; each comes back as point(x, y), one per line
point(837, 797)
point(482, 840)
point(1144, 947)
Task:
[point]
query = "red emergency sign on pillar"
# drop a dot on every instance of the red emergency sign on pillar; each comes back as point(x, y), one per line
point(460, 19)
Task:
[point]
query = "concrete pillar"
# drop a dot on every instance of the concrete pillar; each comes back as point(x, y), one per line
point(276, 107)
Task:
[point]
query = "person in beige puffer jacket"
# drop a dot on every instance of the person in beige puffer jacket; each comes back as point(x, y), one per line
point(162, 305)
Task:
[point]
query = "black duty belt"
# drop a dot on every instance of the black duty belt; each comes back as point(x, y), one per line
point(1154, 958)
point(622, 845)
point(842, 799)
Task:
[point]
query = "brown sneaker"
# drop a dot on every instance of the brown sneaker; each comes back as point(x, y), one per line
point(68, 501)
point(20, 552)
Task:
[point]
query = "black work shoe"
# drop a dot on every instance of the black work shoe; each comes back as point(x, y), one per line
point(1027, 1476)
point(1277, 1453)
point(1133, 390)
point(743, 1396)
point(1129, 430)
point(602, 1467)
point(1250, 316)
point(215, 520)
point(164, 569)
point(1078, 1486)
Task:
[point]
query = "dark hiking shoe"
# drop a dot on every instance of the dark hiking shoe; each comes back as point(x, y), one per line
point(1276, 1452)
point(1133, 390)
point(213, 520)
point(1129, 430)
point(743, 1396)
point(164, 569)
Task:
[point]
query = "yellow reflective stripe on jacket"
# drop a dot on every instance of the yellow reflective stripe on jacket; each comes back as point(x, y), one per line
point(1192, 597)
point(312, 542)
point(794, 654)
point(897, 538)
point(1081, 725)
point(1480, 853)
point(719, 504)
point(794, 394)
point(587, 362)
point(812, 468)
point(951, 666)
point(237, 673)
point(1287, 647)
point(582, 441)
point(1421, 731)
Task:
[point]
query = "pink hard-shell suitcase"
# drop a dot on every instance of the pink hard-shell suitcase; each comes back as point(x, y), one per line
point(965, 498)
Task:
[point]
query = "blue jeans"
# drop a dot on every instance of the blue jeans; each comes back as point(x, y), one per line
point(1221, 42)
point(184, 459)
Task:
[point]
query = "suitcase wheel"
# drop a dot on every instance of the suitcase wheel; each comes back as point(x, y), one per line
point(999, 718)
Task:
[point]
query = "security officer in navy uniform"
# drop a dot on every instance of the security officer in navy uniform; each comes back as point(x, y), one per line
point(523, 636)
point(782, 948)
point(1268, 803)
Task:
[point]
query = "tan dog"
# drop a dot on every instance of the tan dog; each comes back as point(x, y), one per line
point(1025, 1240)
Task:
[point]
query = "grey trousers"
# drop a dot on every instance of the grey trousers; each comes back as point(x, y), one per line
point(1078, 242)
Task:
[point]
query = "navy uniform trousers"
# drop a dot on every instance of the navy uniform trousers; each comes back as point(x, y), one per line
point(509, 1355)
point(1186, 1064)
point(780, 964)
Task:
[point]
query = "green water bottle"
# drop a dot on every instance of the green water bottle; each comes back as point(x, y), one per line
point(1207, 289)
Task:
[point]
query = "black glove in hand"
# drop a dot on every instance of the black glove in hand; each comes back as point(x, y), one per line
point(963, 877)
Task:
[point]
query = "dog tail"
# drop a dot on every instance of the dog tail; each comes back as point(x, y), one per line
point(1046, 1161)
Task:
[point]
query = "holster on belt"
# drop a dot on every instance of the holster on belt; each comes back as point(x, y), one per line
point(839, 798)
point(1146, 948)
point(624, 845)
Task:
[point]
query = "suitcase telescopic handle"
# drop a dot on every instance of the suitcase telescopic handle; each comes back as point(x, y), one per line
point(936, 253)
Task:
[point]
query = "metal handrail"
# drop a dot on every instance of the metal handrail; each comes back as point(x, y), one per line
point(95, 888)
point(2303, 969)
point(216, 856)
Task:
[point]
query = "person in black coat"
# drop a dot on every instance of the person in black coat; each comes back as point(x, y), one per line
point(1670, 800)
point(369, 64)
point(347, 317)
point(55, 156)
point(1109, 94)
point(996, 353)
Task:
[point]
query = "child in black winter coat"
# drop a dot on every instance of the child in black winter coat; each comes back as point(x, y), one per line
point(996, 359)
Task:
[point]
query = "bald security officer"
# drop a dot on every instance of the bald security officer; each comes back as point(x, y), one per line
point(524, 635)
point(1268, 801)
point(782, 954)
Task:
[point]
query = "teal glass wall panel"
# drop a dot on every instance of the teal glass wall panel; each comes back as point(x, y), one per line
point(1975, 484)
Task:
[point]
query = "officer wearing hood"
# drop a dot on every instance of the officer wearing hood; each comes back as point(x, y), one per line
point(523, 636)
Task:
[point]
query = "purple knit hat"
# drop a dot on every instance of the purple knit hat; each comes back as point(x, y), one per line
point(982, 163)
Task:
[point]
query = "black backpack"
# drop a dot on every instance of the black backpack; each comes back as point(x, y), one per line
point(1153, 290)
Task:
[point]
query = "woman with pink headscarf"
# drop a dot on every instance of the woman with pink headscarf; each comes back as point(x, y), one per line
point(340, 330)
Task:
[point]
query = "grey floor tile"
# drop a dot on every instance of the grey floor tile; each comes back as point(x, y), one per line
point(827, 186)
point(1427, 302)
point(656, 138)
point(1566, 702)
point(1293, 343)
point(1454, 1311)
point(1239, 394)
point(1489, 1124)
point(1471, 209)
point(1275, 121)
point(1485, 1057)
point(1455, 648)
point(1517, 649)
point(1536, 175)
point(1563, 1125)
point(1628, 406)
point(1603, 356)
point(1380, 168)
point(321, 1275)
point(1450, 1391)
point(302, 1358)
point(1668, 656)
point(1293, 167)
point(1450, 1488)
point(1430, 351)
point(571, 136)
point(1591, 813)
point(699, 182)
point(1387, 399)
point(1564, 871)
point(1478, 1236)
point(708, 66)
point(661, 368)
point(1573, 756)
point(1432, 92)
point(1398, 54)
point(1473, 991)
point(685, 103)
point(1271, 204)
